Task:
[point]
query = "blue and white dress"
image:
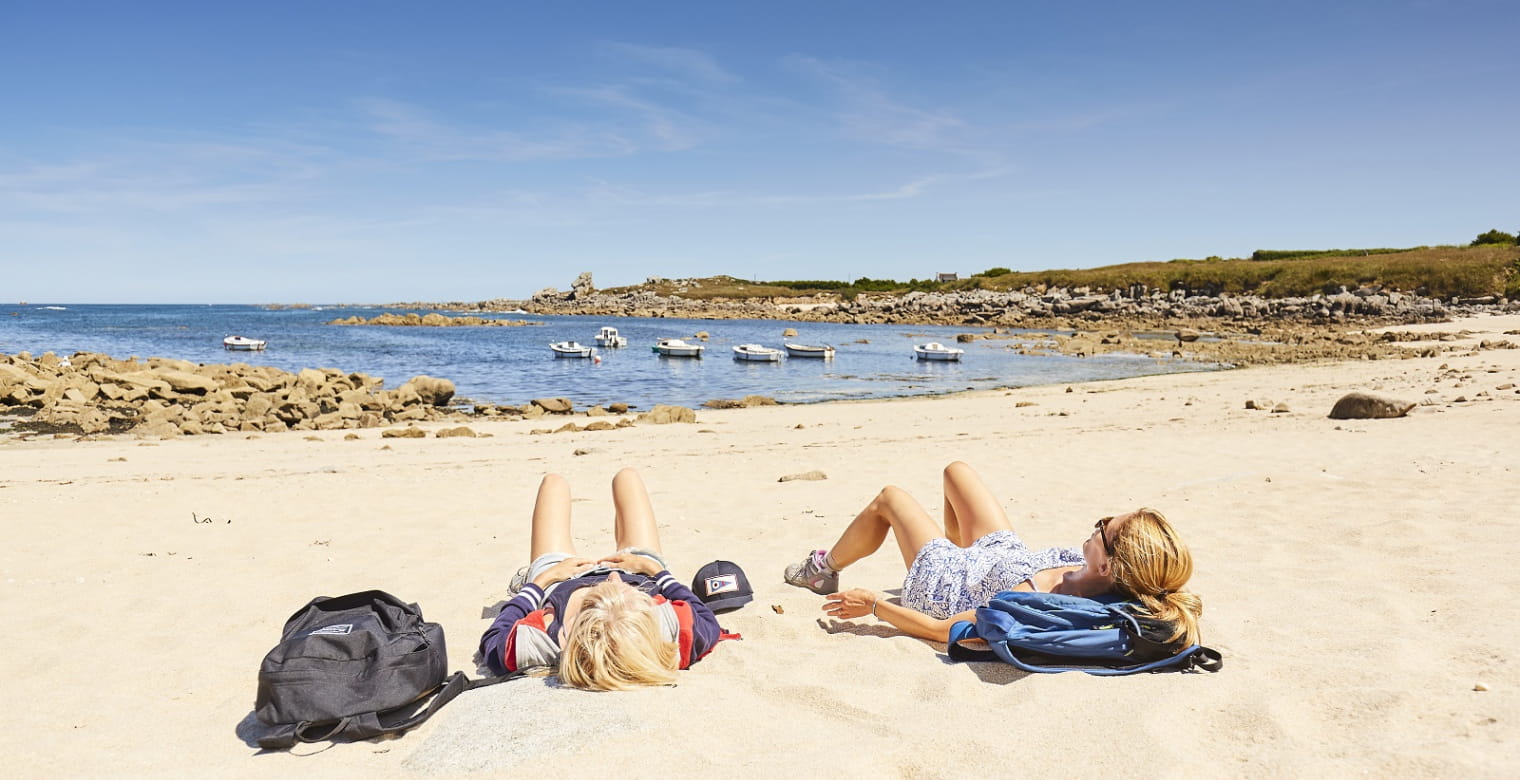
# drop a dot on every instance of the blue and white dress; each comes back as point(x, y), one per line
point(946, 580)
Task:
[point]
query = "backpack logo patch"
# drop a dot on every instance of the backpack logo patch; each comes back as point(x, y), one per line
point(339, 630)
point(722, 584)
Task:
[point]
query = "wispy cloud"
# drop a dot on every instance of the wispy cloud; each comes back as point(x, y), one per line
point(686, 64)
point(433, 139)
point(121, 187)
point(868, 112)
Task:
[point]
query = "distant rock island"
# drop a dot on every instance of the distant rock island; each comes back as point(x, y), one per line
point(431, 320)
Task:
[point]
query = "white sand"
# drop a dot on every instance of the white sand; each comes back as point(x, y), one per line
point(1359, 576)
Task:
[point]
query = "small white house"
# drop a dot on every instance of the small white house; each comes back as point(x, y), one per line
point(950, 277)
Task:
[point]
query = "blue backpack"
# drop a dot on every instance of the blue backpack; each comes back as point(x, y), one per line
point(1051, 632)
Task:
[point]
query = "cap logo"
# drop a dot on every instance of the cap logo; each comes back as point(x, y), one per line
point(722, 583)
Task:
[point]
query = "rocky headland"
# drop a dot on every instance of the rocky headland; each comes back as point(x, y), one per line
point(1059, 308)
point(1202, 324)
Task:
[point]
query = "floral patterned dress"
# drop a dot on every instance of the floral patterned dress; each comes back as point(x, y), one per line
point(946, 580)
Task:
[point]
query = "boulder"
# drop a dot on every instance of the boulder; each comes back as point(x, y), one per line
point(806, 475)
point(450, 433)
point(617, 407)
point(409, 432)
point(188, 383)
point(600, 425)
point(663, 414)
point(554, 405)
point(1369, 406)
point(432, 390)
point(789, 333)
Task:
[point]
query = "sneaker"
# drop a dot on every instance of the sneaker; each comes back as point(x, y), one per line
point(813, 574)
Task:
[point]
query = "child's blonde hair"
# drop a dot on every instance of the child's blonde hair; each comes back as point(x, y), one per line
point(615, 643)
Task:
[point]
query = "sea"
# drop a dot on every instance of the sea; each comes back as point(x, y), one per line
point(511, 365)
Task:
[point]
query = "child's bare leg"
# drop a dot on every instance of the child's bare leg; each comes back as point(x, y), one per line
point(971, 510)
point(635, 524)
point(551, 518)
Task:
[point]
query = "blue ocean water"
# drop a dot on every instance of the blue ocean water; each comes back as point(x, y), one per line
point(513, 365)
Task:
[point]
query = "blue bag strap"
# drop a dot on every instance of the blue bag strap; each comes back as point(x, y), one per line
point(962, 630)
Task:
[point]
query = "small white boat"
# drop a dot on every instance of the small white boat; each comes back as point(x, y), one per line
point(608, 337)
point(244, 343)
point(937, 351)
point(757, 353)
point(572, 349)
point(810, 351)
point(677, 348)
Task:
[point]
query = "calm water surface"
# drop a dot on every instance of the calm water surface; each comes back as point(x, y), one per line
point(512, 365)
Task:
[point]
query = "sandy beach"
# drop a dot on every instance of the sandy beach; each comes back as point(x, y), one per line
point(1358, 577)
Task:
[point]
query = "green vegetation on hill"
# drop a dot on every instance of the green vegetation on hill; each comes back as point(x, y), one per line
point(1491, 266)
point(1436, 271)
point(1494, 237)
point(1305, 254)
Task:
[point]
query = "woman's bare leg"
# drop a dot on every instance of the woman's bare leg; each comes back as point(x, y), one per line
point(551, 518)
point(894, 509)
point(635, 526)
point(971, 510)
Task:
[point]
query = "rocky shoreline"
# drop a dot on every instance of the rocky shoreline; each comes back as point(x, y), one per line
point(1060, 308)
point(90, 394)
point(1207, 326)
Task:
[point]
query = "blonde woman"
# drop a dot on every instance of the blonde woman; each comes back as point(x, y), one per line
point(613, 623)
point(954, 570)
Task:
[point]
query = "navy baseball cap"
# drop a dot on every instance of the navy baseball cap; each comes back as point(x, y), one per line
point(722, 585)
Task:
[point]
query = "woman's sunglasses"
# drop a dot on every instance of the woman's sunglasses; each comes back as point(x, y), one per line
point(1102, 526)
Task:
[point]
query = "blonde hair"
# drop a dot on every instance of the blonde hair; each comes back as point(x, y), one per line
point(615, 643)
point(1151, 565)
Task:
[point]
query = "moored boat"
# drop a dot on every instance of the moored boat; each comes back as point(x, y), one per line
point(244, 343)
point(677, 348)
point(810, 350)
point(937, 351)
point(572, 349)
point(757, 353)
point(608, 337)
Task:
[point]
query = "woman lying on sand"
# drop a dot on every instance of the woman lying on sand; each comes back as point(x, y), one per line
point(1134, 556)
point(596, 619)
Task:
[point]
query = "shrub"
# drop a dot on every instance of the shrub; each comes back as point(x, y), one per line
point(1493, 237)
point(997, 271)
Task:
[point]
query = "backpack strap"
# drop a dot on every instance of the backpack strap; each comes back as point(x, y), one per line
point(374, 724)
point(964, 631)
point(1204, 659)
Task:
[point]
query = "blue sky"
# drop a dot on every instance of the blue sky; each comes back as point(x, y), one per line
point(373, 152)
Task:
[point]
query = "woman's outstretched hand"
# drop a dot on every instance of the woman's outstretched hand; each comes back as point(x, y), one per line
point(852, 603)
point(632, 562)
point(564, 570)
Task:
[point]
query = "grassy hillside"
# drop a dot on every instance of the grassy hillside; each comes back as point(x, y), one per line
point(1441, 271)
point(1438, 271)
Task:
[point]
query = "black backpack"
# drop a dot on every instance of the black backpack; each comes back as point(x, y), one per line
point(354, 667)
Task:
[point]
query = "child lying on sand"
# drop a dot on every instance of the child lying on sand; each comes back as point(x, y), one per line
point(596, 619)
point(1136, 556)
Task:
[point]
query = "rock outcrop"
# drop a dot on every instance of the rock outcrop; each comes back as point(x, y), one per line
point(429, 320)
point(93, 393)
